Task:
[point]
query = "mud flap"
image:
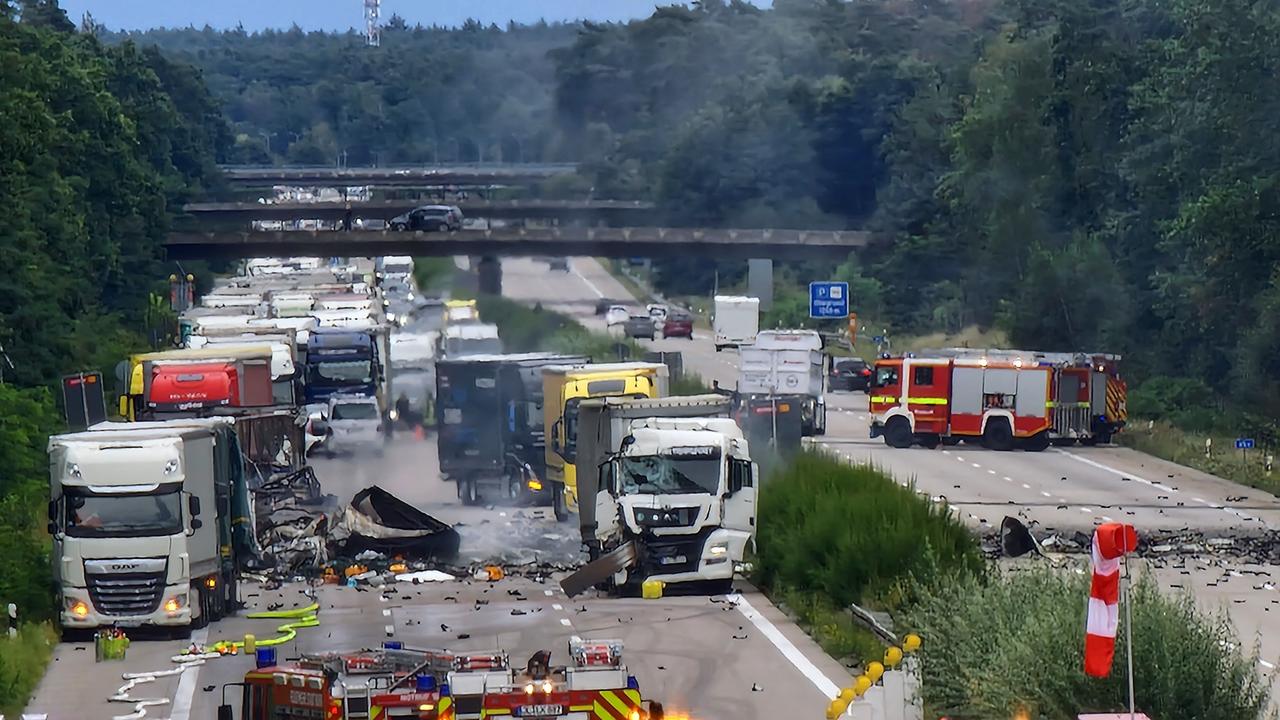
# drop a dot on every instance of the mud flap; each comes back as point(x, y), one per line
point(600, 570)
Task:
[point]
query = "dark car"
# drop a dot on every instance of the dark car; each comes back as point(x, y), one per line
point(558, 263)
point(433, 218)
point(639, 326)
point(678, 324)
point(603, 305)
point(849, 374)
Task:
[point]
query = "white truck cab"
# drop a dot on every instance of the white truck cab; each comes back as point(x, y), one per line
point(684, 491)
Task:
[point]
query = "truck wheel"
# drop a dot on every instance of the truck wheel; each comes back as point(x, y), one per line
point(558, 504)
point(998, 435)
point(199, 605)
point(1037, 443)
point(1104, 437)
point(470, 493)
point(897, 433)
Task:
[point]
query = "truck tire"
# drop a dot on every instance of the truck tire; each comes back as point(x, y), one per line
point(1037, 443)
point(897, 433)
point(469, 491)
point(199, 604)
point(998, 435)
point(558, 504)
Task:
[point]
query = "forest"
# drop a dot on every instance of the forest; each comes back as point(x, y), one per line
point(1081, 174)
point(100, 143)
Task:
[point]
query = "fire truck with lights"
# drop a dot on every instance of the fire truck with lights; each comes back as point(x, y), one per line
point(394, 682)
point(1001, 398)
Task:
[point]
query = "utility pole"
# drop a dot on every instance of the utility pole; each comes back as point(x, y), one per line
point(372, 27)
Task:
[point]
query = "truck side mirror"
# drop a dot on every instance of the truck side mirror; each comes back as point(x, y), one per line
point(52, 528)
point(53, 510)
point(193, 507)
point(555, 436)
point(196, 523)
point(226, 712)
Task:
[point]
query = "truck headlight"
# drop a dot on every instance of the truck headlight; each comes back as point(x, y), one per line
point(719, 549)
point(77, 608)
point(394, 415)
point(175, 603)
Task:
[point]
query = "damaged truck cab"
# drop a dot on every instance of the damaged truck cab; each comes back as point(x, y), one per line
point(677, 504)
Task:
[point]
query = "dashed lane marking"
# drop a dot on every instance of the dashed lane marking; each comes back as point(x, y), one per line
point(557, 606)
point(186, 692)
point(565, 622)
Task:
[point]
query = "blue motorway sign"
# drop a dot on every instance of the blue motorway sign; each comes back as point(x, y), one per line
point(1244, 443)
point(828, 299)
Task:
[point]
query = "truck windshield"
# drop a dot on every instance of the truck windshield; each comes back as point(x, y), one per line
point(656, 475)
point(126, 515)
point(349, 371)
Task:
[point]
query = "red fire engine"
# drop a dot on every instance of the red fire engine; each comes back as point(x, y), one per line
point(1004, 398)
point(595, 686)
point(365, 685)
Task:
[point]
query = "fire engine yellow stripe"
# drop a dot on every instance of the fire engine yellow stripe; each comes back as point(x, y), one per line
point(616, 702)
point(911, 401)
point(580, 708)
point(883, 399)
point(601, 712)
point(633, 696)
point(495, 712)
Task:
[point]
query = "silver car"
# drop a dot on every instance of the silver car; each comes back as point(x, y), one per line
point(354, 424)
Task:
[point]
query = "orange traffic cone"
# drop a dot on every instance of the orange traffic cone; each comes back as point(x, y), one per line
point(419, 433)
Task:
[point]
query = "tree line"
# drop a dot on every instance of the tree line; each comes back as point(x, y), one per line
point(100, 143)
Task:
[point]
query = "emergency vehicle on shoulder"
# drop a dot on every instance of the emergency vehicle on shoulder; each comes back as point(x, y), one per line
point(594, 686)
point(1003, 398)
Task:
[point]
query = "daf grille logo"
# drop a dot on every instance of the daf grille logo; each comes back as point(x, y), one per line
point(120, 567)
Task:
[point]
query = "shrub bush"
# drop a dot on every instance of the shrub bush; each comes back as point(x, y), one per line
point(852, 533)
point(999, 645)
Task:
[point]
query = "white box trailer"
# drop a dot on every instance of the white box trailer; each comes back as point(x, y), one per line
point(736, 320)
point(787, 362)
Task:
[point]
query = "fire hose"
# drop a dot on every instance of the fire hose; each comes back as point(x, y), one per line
point(299, 618)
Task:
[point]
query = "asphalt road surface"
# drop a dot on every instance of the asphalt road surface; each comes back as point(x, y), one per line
point(714, 658)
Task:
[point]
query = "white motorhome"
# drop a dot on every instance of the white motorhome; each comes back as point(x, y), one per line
point(736, 321)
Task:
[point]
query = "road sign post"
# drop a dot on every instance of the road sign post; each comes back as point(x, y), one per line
point(828, 300)
point(1244, 445)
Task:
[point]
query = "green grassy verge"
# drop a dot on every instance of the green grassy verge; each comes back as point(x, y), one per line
point(1168, 442)
point(832, 627)
point(22, 663)
point(433, 274)
point(1012, 646)
point(690, 384)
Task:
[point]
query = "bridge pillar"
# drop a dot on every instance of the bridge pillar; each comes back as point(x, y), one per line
point(760, 281)
point(489, 270)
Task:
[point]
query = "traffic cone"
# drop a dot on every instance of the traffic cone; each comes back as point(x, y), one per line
point(419, 433)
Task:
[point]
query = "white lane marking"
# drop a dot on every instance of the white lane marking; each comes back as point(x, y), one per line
point(1159, 486)
point(975, 465)
point(584, 279)
point(548, 593)
point(1107, 518)
point(991, 472)
point(785, 646)
point(946, 452)
point(1202, 501)
point(1267, 665)
point(557, 606)
point(1008, 479)
point(386, 613)
point(1085, 510)
point(1026, 486)
point(1042, 492)
point(565, 622)
point(186, 692)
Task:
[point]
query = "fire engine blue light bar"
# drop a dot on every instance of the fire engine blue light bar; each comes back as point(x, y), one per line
point(265, 657)
point(426, 683)
point(392, 645)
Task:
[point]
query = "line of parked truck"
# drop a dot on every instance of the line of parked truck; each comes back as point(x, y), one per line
point(152, 516)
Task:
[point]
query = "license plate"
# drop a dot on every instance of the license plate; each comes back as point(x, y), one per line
point(671, 560)
point(128, 623)
point(540, 711)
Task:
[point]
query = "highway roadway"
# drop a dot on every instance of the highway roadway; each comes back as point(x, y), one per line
point(712, 658)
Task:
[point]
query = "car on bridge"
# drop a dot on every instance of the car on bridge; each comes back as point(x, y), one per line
point(437, 218)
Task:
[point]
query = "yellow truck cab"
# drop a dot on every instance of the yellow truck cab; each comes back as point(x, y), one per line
point(563, 388)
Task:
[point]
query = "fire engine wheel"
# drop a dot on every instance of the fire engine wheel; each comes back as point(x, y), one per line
point(930, 441)
point(897, 433)
point(1037, 443)
point(998, 435)
point(1103, 437)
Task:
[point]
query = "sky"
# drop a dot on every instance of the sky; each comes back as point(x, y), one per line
point(343, 14)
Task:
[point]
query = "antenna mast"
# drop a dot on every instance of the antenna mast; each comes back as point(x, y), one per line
point(372, 31)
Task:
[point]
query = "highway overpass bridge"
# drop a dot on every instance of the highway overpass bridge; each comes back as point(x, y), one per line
point(406, 177)
point(611, 212)
point(557, 241)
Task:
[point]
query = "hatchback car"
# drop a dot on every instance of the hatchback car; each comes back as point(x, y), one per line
point(639, 326)
point(354, 423)
point(558, 263)
point(433, 218)
point(678, 324)
point(850, 374)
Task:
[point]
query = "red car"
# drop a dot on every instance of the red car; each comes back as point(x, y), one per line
point(678, 325)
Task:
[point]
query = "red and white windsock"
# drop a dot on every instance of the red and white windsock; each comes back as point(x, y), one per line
point(1111, 542)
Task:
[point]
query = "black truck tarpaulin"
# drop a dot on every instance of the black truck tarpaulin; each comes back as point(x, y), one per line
point(379, 521)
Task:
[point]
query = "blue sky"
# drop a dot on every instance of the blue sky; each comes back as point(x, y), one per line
point(343, 14)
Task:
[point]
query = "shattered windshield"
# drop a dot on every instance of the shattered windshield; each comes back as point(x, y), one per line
point(659, 475)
